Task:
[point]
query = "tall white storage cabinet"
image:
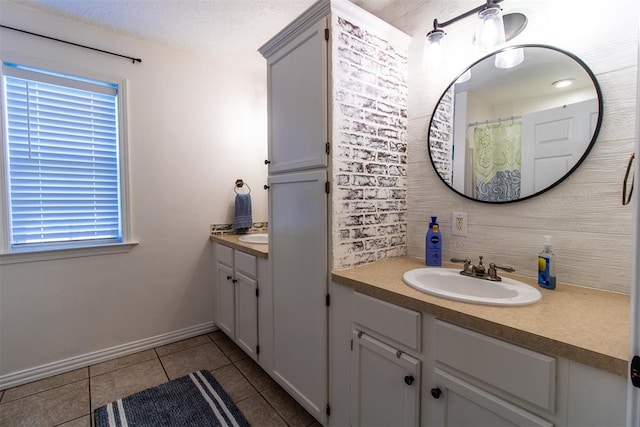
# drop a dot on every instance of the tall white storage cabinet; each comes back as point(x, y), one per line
point(298, 207)
point(337, 109)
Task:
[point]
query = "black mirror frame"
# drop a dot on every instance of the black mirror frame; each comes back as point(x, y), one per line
point(578, 163)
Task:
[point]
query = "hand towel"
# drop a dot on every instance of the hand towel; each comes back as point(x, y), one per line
point(242, 220)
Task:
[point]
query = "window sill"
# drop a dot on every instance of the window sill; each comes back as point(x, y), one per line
point(54, 254)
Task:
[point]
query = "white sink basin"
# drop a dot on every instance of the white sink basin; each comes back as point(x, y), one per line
point(261, 239)
point(449, 283)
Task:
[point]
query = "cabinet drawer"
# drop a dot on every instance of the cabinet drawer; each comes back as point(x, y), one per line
point(245, 263)
point(389, 320)
point(518, 371)
point(224, 254)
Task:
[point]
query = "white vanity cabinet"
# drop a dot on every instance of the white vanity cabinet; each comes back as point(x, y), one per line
point(237, 297)
point(480, 380)
point(385, 364)
point(460, 377)
point(477, 379)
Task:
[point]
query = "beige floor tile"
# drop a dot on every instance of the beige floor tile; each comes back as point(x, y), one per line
point(231, 349)
point(122, 362)
point(259, 413)
point(255, 374)
point(287, 407)
point(123, 382)
point(44, 384)
point(206, 356)
point(234, 383)
point(48, 408)
point(78, 422)
point(182, 345)
point(217, 335)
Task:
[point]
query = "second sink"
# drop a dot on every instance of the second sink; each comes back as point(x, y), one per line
point(448, 283)
point(259, 238)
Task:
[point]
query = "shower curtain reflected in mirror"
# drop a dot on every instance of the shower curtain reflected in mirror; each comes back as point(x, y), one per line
point(496, 161)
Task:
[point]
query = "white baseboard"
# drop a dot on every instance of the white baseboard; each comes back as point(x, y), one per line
point(82, 361)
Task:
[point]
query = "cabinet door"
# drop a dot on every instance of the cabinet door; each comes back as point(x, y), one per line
point(225, 300)
point(460, 404)
point(297, 96)
point(247, 314)
point(385, 384)
point(298, 250)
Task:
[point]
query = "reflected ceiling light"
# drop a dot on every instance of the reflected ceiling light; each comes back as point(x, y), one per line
point(562, 83)
point(509, 58)
point(495, 29)
point(464, 77)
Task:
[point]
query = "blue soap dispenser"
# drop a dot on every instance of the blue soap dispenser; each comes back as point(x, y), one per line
point(433, 244)
point(547, 266)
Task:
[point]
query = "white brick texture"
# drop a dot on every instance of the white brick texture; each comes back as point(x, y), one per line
point(369, 146)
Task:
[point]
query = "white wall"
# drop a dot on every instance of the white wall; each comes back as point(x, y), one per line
point(194, 127)
point(591, 230)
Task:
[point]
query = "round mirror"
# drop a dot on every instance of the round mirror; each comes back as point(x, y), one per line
point(515, 123)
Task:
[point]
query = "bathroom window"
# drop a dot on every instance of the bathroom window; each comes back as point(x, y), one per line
point(63, 161)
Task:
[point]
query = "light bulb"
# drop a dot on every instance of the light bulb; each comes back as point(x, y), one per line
point(509, 58)
point(490, 33)
point(464, 77)
point(433, 48)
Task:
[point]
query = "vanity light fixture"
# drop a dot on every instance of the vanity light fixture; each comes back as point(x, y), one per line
point(433, 46)
point(494, 30)
point(562, 83)
point(490, 31)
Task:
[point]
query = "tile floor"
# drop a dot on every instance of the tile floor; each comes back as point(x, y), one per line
point(69, 399)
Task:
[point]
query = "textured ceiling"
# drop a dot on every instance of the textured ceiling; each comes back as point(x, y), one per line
point(226, 30)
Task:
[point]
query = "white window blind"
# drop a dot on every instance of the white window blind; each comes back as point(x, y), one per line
point(62, 160)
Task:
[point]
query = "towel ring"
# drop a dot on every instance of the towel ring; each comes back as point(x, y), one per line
point(239, 184)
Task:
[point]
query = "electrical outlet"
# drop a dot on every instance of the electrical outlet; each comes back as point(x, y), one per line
point(459, 224)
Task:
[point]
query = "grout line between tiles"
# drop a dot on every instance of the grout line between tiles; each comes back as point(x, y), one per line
point(68, 421)
point(161, 364)
point(90, 403)
point(41, 391)
point(124, 367)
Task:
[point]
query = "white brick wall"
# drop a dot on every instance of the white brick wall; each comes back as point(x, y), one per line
point(369, 146)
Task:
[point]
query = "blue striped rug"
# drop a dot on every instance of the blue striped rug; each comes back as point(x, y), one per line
point(193, 400)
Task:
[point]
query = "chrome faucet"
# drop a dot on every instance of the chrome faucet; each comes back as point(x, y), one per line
point(479, 270)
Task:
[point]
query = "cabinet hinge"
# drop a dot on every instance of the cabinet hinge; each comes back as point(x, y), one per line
point(327, 187)
point(328, 409)
point(327, 300)
point(635, 371)
point(257, 349)
point(327, 148)
point(326, 34)
point(257, 292)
